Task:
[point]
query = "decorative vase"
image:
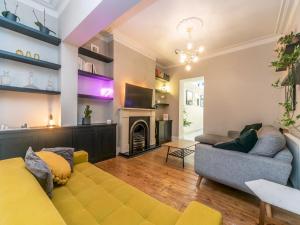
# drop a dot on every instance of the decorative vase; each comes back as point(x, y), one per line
point(10, 16)
point(86, 121)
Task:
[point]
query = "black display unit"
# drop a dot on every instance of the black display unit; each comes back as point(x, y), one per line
point(99, 140)
point(163, 131)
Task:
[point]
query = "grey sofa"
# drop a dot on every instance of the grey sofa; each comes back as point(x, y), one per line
point(270, 159)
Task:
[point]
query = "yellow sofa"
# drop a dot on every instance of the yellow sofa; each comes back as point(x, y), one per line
point(91, 197)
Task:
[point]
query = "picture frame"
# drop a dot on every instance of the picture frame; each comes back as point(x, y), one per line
point(202, 101)
point(189, 97)
point(94, 48)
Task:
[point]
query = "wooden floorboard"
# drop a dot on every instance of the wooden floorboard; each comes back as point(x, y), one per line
point(175, 186)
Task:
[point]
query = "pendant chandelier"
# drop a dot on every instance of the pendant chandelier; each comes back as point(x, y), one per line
point(191, 53)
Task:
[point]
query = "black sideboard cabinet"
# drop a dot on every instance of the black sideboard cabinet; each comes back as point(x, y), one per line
point(163, 131)
point(99, 140)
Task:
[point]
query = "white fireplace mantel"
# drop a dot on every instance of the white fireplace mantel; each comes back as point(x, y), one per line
point(124, 114)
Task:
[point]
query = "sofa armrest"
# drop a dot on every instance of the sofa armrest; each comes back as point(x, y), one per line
point(80, 157)
point(235, 168)
point(199, 214)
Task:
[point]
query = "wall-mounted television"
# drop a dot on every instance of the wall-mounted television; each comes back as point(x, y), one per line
point(138, 97)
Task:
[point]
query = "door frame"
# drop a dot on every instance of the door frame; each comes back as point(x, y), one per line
point(181, 103)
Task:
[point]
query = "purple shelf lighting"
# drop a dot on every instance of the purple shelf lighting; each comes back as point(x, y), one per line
point(95, 87)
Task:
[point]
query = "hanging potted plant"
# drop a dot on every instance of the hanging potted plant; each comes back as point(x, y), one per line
point(8, 14)
point(42, 26)
point(288, 57)
point(86, 120)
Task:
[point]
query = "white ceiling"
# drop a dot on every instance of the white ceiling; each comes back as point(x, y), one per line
point(227, 24)
point(53, 7)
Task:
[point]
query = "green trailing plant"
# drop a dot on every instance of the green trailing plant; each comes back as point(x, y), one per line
point(186, 123)
point(87, 112)
point(288, 60)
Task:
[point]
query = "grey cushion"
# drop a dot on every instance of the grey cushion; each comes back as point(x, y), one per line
point(284, 155)
point(40, 170)
point(66, 153)
point(270, 142)
point(211, 139)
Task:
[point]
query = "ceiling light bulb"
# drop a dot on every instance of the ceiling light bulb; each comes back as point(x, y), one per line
point(201, 49)
point(195, 59)
point(188, 67)
point(182, 57)
point(189, 45)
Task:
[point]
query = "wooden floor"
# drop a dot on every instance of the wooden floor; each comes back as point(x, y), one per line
point(176, 187)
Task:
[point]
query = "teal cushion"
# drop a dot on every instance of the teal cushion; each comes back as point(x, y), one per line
point(244, 143)
point(255, 126)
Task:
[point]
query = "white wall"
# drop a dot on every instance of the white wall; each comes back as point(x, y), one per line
point(69, 80)
point(237, 89)
point(20, 108)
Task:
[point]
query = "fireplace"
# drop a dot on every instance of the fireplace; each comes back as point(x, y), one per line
point(139, 134)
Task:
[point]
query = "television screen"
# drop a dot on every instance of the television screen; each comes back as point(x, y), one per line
point(138, 97)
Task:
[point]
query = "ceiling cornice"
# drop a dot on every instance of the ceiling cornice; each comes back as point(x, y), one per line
point(128, 42)
point(238, 47)
point(106, 39)
point(40, 7)
point(294, 5)
point(49, 11)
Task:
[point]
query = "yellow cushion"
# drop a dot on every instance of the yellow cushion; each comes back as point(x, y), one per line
point(60, 168)
point(22, 199)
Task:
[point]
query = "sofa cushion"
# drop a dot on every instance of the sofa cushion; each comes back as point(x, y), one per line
point(284, 155)
point(211, 139)
point(95, 197)
point(22, 200)
point(270, 142)
point(255, 126)
point(40, 170)
point(60, 168)
point(244, 143)
point(65, 152)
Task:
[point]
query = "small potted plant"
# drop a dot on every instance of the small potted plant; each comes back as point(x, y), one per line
point(9, 15)
point(42, 26)
point(86, 120)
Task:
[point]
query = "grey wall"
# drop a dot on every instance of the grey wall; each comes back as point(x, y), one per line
point(237, 89)
point(130, 67)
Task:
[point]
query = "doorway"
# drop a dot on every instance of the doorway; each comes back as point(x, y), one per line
point(191, 107)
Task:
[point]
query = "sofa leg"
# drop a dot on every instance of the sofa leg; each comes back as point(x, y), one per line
point(200, 178)
point(269, 210)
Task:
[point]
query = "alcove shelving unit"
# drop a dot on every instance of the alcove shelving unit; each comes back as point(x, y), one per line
point(94, 55)
point(28, 90)
point(36, 34)
point(104, 81)
point(162, 78)
point(93, 75)
point(27, 60)
point(28, 31)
